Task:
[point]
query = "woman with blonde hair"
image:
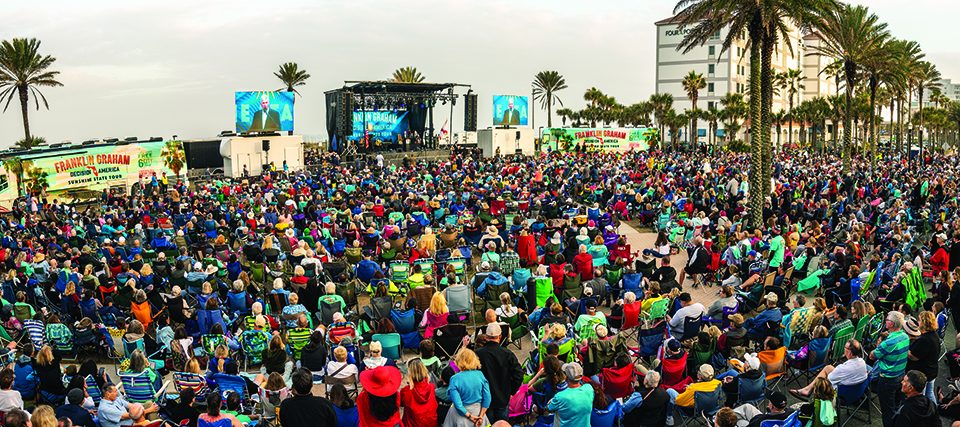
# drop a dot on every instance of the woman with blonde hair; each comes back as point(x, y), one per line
point(43, 416)
point(469, 391)
point(192, 366)
point(50, 374)
point(925, 351)
point(436, 315)
point(507, 309)
point(340, 368)
point(418, 398)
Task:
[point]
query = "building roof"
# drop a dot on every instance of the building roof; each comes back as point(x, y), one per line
point(670, 20)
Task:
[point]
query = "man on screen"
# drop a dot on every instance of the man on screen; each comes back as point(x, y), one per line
point(511, 117)
point(265, 119)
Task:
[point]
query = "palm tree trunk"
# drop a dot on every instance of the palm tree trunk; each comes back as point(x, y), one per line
point(766, 97)
point(549, 110)
point(756, 130)
point(790, 125)
point(847, 119)
point(920, 128)
point(24, 104)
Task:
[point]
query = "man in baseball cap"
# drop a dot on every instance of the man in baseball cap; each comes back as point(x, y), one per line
point(574, 405)
point(776, 410)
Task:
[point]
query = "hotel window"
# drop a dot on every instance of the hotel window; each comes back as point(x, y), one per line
point(716, 36)
point(711, 104)
point(710, 87)
point(712, 50)
point(711, 68)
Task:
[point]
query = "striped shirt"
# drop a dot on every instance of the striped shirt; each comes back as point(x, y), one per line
point(891, 355)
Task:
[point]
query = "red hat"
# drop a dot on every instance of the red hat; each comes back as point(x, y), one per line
point(382, 381)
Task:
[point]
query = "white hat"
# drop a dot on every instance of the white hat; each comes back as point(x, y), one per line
point(197, 266)
point(485, 265)
point(706, 371)
point(752, 360)
point(772, 297)
point(493, 330)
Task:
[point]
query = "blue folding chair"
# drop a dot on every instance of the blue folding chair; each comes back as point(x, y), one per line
point(234, 383)
point(392, 345)
point(793, 420)
point(609, 417)
point(854, 397)
point(751, 391)
point(406, 324)
point(817, 352)
point(706, 404)
point(651, 339)
point(138, 388)
point(633, 282)
point(93, 389)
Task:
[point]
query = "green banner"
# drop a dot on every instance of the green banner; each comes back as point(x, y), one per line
point(96, 168)
point(597, 139)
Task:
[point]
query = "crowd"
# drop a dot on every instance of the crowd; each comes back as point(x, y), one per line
point(362, 282)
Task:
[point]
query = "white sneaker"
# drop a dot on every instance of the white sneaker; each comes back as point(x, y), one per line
point(669, 420)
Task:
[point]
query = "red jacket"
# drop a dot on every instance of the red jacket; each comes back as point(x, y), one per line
point(527, 249)
point(584, 265)
point(419, 405)
point(940, 261)
point(368, 420)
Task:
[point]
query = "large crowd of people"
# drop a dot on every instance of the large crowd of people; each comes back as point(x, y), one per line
point(471, 291)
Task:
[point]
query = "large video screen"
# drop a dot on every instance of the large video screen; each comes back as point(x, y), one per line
point(264, 111)
point(383, 125)
point(510, 110)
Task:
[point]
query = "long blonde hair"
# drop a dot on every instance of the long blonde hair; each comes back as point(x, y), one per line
point(416, 372)
point(43, 416)
point(438, 304)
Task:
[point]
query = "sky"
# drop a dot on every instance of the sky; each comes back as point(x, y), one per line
point(146, 68)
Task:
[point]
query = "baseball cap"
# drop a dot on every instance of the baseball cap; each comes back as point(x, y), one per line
point(772, 297)
point(493, 330)
point(573, 371)
point(706, 371)
point(673, 345)
point(778, 399)
point(752, 253)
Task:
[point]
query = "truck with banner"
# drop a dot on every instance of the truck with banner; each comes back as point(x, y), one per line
point(597, 139)
point(74, 173)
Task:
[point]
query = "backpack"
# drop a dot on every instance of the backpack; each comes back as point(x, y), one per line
point(521, 402)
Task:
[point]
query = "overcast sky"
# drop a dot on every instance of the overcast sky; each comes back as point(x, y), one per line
point(147, 68)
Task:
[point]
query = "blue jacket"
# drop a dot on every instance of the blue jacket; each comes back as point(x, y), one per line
point(755, 325)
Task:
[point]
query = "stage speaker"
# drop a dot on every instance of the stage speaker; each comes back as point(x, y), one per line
point(470, 113)
point(265, 145)
point(345, 114)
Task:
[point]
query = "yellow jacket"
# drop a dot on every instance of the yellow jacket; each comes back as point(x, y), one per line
point(686, 398)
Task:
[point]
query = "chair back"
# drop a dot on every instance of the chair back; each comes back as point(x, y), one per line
point(253, 342)
point(391, 345)
point(631, 315)
point(632, 283)
point(327, 310)
point(234, 383)
point(727, 312)
point(659, 308)
point(840, 339)
point(691, 327)
point(791, 420)
point(544, 288)
point(197, 382)
point(852, 394)
point(449, 338)
point(458, 298)
point(651, 339)
point(617, 383)
point(138, 388)
point(93, 389)
point(297, 339)
point(130, 347)
point(335, 334)
point(36, 332)
point(706, 402)
point(751, 390)
point(772, 362)
point(609, 417)
point(673, 371)
point(277, 302)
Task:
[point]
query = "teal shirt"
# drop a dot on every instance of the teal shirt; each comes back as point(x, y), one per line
point(776, 251)
point(469, 387)
point(892, 355)
point(573, 406)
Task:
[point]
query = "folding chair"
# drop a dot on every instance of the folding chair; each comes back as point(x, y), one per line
point(659, 309)
point(840, 339)
point(609, 417)
point(138, 388)
point(674, 373)
point(818, 351)
point(196, 382)
point(618, 383)
point(449, 338)
point(630, 323)
point(774, 364)
point(651, 339)
point(518, 328)
point(691, 327)
point(392, 345)
point(405, 323)
point(854, 396)
point(751, 391)
point(234, 383)
point(93, 389)
point(705, 405)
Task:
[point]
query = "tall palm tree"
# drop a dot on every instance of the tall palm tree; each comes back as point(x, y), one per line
point(546, 84)
point(661, 102)
point(292, 76)
point(692, 84)
point(14, 165)
point(564, 113)
point(735, 109)
point(712, 116)
point(879, 69)
point(907, 55)
point(793, 83)
point(851, 34)
point(23, 70)
point(927, 78)
point(407, 75)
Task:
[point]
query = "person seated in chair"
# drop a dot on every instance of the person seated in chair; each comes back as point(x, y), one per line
point(666, 275)
point(705, 382)
point(756, 326)
point(852, 371)
point(688, 308)
point(777, 409)
point(727, 300)
point(749, 369)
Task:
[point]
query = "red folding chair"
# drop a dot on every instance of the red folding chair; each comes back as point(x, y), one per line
point(674, 374)
point(618, 383)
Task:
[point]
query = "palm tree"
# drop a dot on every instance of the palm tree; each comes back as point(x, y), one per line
point(22, 72)
point(292, 76)
point(734, 110)
point(173, 156)
point(851, 35)
point(15, 166)
point(692, 84)
point(564, 113)
point(661, 103)
point(906, 55)
point(793, 83)
point(546, 84)
point(407, 75)
point(712, 116)
point(927, 78)
point(31, 142)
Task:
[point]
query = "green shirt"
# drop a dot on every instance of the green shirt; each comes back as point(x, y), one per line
point(573, 406)
point(244, 419)
point(891, 355)
point(777, 247)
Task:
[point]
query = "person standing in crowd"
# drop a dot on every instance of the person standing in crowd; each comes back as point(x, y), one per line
point(379, 403)
point(418, 397)
point(891, 362)
point(924, 353)
point(469, 392)
point(501, 369)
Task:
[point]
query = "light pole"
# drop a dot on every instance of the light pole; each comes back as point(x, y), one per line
point(533, 120)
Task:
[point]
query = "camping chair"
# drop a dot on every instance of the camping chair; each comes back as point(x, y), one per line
point(138, 388)
point(392, 345)
point(327, 310)
point(632, 282)
point(691, 327)
point(449, 338)
point(422, 296)
point(618, 383)
point(210, 342)
point(350, 383)
point(774, 364)
point(36, 331)
point(610, 417)
point(818, 350)
point(297, 339)
point(751, 391)
point(405, 323)
point(93, 389)
point(840, 339)
point(651, 339)
point(706, 404)
point(459, 298)
point(197, 382)
point(276, 303)
point(791, 420)
point(630, 323)
point(518, 328)
point(234, 383)
point(674, 373)
point(335, 334)
point(854, 396)
point(399, 271)
point(253, 342)
point(544, 290)
point(724, 319)
point(658, 310)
